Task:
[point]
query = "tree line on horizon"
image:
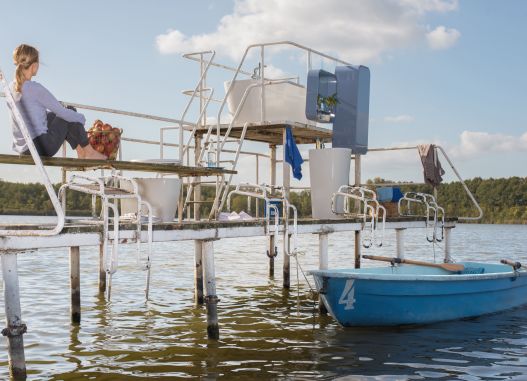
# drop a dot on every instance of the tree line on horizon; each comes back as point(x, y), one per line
point(503, 200)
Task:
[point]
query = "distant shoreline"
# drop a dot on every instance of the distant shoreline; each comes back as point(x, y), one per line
point(503, 201)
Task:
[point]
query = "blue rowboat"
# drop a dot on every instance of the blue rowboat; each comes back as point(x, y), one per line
point(409, 294)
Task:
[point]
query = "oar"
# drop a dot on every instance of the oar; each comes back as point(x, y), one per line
point(514, 265)
point(444, 266)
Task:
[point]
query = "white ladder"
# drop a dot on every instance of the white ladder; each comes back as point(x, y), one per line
point(109, 192)
point(366, 206)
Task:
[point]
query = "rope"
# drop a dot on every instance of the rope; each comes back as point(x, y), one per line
point(294, 255)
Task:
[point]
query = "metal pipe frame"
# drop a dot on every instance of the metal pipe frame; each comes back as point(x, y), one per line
point(430, 205)
point(38, 163)
point(359, 194)
point(262, 196)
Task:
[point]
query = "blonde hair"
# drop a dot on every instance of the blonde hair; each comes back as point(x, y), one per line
point(24, 56)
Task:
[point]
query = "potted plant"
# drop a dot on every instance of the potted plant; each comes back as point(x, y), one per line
point(326, 107)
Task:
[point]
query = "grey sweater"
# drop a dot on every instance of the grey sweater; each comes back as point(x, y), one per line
point(34, 102)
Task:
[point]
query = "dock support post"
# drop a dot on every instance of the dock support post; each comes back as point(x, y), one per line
point(357, 232)
point(286, 176)
point(198, 273)
point(102, 270)
point(13, 313)
point(322, 265)
point(399, 242)
point(75, 285)
point(271, 253)
point(287, 261)
point(448, 242)
point(211, 300)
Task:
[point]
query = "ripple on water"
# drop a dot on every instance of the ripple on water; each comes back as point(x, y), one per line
point(263, 335)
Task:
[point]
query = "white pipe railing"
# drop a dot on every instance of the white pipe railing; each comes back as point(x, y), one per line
point(38, 163)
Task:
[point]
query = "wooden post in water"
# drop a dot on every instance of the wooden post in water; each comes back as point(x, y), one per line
point(198, 273)
point(211, 300)
point(448, 243)
point(102, 270)
point(13, 313)
point(271, 252)
point(286, 175)
point(322, 265)
point(357, 232)
point(399, 242)
point(75, 286)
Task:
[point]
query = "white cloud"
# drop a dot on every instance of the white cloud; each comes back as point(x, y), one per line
point(399, 119)
point(473, 144)
point(273, 72)
point(356, 30)
point(442, 38)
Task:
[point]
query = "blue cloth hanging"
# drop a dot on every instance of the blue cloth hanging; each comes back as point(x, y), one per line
point(292, 154)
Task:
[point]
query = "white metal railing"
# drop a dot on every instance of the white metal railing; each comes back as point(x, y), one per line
point(365, 205)
point(199, 89)
point(264, 192)
point(98, 187)
point(263, 80)
point(223, 187)
point(434, 214)
point(38, 163)
point(465, 187)
point(261, 192)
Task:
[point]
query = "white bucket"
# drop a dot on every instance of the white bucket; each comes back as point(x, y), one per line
point(161, 193)
point(329, 168)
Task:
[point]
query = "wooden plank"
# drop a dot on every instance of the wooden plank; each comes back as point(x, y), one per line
point(85, 164)
point(272, 132)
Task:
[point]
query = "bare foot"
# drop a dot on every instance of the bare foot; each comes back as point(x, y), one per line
point(90, 153)
point(80, 152)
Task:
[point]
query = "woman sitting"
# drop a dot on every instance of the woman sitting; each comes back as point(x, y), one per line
point(49, 123)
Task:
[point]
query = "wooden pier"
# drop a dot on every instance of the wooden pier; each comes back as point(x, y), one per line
point(207, 162)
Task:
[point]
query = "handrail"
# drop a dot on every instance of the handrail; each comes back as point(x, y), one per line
point(238, 70)
point(358, 194)
point(263, 196)
point(218, 204)
point(469, 193)
point(198, 87)
point(38, 163)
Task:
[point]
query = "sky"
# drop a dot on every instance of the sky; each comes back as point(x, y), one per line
point(442, 71)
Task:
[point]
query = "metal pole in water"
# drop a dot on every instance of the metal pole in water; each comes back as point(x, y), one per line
point(197, 186)
point(198, 273)
point(75, 285)
point(102, 270)
point(271, 252)
point(211, 300)
point(448, 243)
point(322, 265)
point(357, 232)
point(13, 313)
point(287, 237)
point(399, 238)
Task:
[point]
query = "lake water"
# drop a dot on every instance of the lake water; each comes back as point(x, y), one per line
point(263, 335)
